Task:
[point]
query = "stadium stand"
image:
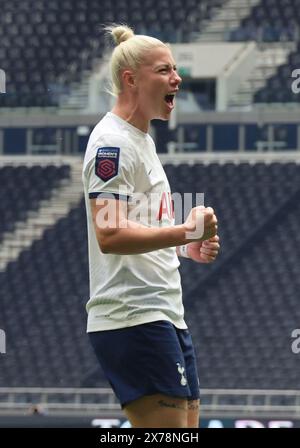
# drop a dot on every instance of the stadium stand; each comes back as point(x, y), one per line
point(52, 279)
point(247, 301)
point(270, 21)
point(273, 22)
point(278, 88)
point(44, 50)
point(22, 189)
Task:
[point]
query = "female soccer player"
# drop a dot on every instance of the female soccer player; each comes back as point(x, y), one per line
point(135, 312)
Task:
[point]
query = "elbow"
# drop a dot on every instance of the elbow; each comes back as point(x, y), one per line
point(105, 246)
point(110, 243)
point(105, 239)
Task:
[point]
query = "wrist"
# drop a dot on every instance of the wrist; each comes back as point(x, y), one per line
point(180, 234)
point(183, 251)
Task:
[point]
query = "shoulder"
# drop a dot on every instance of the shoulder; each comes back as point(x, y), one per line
point(116, 142)
point(111, 146)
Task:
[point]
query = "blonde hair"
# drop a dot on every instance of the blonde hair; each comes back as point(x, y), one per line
point(128, 53)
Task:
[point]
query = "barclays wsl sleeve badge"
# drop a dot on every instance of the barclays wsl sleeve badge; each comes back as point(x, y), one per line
point(107, 163)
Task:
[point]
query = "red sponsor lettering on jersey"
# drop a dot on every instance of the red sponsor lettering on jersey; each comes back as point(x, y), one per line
point(166, 207)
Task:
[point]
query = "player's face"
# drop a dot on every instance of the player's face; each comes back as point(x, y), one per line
point(158, 82)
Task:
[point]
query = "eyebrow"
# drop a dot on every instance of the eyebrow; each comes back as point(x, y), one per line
point(167, 65)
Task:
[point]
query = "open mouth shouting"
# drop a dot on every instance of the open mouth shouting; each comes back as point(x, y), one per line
point(169, 100)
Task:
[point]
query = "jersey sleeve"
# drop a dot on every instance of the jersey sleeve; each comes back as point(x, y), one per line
point(111, 168)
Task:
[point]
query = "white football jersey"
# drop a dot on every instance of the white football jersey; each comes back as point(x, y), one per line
point(128, 290)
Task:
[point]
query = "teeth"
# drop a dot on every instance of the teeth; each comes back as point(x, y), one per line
point(169, 97)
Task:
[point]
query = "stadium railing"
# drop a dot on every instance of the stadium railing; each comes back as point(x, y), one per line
point(254, 131)
point(224, 402)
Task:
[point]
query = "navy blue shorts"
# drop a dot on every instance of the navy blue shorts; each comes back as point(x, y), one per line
point(148, 359)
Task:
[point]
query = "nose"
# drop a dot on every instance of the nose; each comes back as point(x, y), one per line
point(179, 80)
point(176, 79)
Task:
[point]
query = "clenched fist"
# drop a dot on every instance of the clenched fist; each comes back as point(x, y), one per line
point(201, 224)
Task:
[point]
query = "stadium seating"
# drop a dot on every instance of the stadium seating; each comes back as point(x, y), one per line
point(278, 88)
point(45, 50)
point(22, 189)
point(47, 294)
point(241, 309)
point(270, 21)
point(274, 21)
point(47, 45)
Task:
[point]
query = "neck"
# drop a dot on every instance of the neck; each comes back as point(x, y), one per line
point(128, 109)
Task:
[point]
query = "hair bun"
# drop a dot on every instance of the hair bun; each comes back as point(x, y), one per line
point(121, 33)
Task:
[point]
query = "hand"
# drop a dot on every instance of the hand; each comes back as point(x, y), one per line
point(201, 224)
point(204, 251)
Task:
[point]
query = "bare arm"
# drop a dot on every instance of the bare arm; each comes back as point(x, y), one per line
point(118, 235)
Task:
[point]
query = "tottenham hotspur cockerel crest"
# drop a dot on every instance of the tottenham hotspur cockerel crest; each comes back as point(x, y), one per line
point(181, 370)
